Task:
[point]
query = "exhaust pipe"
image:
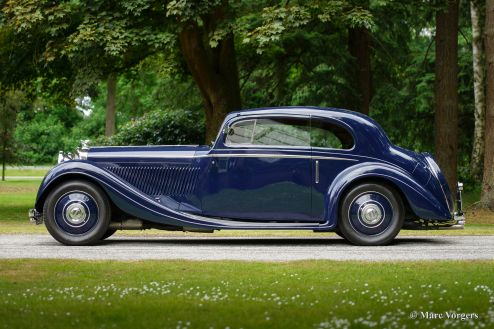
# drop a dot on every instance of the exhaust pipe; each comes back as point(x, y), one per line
point(128, 224)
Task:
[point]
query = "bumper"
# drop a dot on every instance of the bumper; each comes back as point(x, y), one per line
point(457, 223)
point(459, 215)
point(35, 217)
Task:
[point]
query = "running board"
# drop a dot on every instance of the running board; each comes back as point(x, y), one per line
point(225, 224)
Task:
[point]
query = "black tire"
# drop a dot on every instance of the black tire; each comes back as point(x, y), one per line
point(77, 213)
point(371, 214)
point(108, 234)
point(338, 233)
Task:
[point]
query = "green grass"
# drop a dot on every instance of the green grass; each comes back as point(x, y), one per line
point(16, 198)
point(185, 294)
point(37, 172)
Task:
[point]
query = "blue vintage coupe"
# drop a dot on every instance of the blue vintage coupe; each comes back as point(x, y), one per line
point(294, 168)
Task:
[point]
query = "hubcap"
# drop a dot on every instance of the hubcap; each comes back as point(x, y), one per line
point(75, 213)
point(371, 214)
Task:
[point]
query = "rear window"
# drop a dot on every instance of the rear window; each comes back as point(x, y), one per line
point(329, 135)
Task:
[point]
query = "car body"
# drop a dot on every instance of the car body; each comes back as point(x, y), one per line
point(269, 168)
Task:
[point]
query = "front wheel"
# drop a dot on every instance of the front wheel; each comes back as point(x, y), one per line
point(371, 214)
point(77, 213)
point(108, 234)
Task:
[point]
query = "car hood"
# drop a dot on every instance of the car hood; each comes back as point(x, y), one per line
point(112, 153)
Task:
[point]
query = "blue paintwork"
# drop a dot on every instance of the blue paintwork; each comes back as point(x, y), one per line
point(223, 187)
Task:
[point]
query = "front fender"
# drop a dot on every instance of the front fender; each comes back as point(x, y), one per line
point(423, 203)
point(122, 194)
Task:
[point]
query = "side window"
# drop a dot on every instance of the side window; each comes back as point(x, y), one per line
point(269, 132)
point(282, 132)
point(326, 134)
point(240, 133)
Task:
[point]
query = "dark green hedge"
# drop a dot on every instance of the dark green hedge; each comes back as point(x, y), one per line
point(160, 128)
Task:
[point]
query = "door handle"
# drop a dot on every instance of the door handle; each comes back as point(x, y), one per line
point(317, 171)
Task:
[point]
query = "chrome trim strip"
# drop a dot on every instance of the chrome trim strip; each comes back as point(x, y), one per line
point(240, 155)
point(143, 154)
point(146, 146)
point(150, 155)
point(232, 224)
point(267, 149)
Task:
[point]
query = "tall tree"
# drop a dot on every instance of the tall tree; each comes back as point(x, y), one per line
point(88, 42)
point(487, 192)
point(359, 46)
point(446, 91)
point(479, 89)
point(10, 103)
point(111, 95)
point(213, 65)
point(101, 38)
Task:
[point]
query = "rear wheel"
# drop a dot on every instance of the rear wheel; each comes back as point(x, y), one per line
point(77, 213)
point(371, 214)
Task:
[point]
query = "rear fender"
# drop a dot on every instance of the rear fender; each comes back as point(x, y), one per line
point(423, 203)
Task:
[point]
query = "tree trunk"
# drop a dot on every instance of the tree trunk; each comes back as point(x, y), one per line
point(487, 192)
point(479, 91)
point(446, 91)
point(111, 85)
point(4, 155)
point(213, 69)
point(359, 47)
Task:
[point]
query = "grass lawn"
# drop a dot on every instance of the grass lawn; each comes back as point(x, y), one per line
point(185, 294)
point(26, 171)
point(16, 198)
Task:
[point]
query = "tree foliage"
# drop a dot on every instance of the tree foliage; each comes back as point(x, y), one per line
point(185, 55)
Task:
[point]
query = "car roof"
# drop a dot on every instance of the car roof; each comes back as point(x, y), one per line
point(364, 128)
point(297, 109)
point(353, 119)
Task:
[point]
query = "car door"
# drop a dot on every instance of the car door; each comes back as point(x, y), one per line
point(260, 170)
point(332, 145)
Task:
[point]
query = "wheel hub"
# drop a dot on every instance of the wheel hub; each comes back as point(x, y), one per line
point(75, 213)
point(371, 214)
